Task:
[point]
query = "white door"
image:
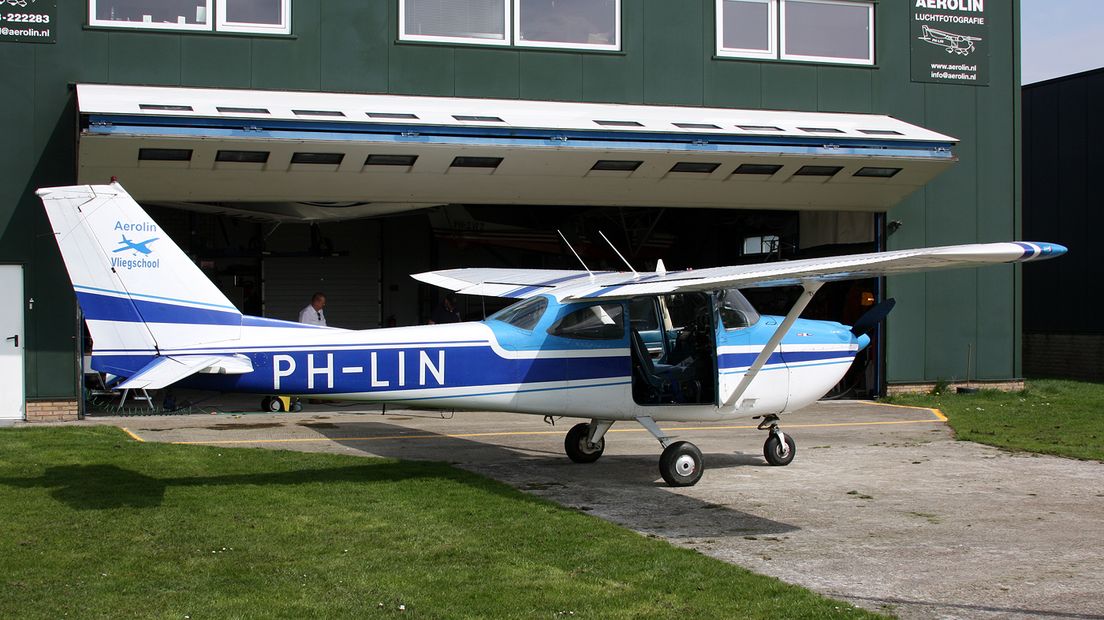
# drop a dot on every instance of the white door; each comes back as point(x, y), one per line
point(11, 342)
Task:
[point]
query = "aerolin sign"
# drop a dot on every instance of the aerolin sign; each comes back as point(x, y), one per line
point(950, 42)
point(28, 21)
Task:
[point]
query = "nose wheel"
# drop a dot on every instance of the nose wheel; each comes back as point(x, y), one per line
point(780, 448)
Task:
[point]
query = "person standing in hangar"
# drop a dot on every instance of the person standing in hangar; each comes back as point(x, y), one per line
point(312, 314)
point(446, 311)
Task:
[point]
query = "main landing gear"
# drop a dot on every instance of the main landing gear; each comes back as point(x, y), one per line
point(680, 464)
point(779, 449)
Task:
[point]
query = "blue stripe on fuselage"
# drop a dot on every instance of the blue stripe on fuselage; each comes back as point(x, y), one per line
point(353, 370)
point(729, 361)
point(98, 307)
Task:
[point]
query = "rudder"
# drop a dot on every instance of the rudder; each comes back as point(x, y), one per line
point(141, 295)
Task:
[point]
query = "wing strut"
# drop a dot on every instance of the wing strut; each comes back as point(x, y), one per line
point(810, 288)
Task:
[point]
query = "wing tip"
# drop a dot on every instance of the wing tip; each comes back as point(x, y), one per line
point(1040, 250)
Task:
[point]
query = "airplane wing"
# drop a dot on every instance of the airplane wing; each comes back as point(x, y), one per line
point(579, 285)
point(519, 283)
point(163, 371)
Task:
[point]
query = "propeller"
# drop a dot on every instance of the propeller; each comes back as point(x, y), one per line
point(870, 319)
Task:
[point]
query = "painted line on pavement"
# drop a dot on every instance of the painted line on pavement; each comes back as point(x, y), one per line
point(937, 413)
point(132, 435)
point(938, 419)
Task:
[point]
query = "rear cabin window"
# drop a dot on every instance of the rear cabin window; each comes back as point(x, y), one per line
point(524, 314)
point(642, 314)
point(601, 322)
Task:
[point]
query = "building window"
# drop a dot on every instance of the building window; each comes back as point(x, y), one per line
point(265, 16)
point(837, 31)
point(580, 24)
point(572, 24)
point(766, 244)
point(455, 21)
point(828, 30)
point(747, 28)
point(261, 16)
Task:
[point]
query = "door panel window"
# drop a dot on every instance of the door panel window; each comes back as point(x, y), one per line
point(600, 322)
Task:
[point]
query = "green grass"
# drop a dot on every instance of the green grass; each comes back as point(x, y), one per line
point(93, 524)
point(1064, 418)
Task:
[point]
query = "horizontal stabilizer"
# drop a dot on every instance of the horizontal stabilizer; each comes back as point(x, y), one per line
point(164, 371)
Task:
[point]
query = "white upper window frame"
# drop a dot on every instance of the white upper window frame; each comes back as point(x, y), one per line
point(216, 21)
point(869, 60)
point(512, 18)
point(777, 35)
point(222, 25)
point(615, 46)
point(736, 52)
point(207, 27)
point(507, 36)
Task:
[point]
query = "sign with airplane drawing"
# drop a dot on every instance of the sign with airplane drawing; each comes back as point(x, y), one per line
point(950, 42)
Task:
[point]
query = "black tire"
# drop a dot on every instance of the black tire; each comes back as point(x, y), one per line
point(575, 444)
point(274, 405)
point(296, 405)
point(681, 464)
point(772, 450)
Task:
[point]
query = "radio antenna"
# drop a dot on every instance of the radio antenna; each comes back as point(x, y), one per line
point(635, 274)
point(575, 253)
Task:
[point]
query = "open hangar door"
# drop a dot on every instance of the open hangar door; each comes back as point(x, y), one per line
point(358, 182)
point(512, 236)
point(271, 268)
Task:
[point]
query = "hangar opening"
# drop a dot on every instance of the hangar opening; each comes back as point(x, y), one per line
point(279, 195)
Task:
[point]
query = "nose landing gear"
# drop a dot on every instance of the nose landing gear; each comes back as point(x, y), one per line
point(779, 449)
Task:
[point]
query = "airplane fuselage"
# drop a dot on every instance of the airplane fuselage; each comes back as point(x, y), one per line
point(492, 365)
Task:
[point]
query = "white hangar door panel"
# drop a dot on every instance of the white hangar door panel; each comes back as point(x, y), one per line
point(351, 283)
point(11, 342)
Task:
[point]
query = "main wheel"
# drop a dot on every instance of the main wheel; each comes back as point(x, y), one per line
point(772, 450)
point(296, 405)
point(681, 464)
point(273, 404)
point(577, 448)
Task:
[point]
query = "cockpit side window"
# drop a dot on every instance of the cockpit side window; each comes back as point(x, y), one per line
point(735, 310)
point(642, 314)
point(524, 314)
point(600, 322)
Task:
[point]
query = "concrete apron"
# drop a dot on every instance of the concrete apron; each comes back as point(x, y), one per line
point(881, 507)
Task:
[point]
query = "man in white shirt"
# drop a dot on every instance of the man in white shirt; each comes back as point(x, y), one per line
point(312, 314)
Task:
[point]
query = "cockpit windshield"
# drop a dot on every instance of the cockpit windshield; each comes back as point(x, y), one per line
point(735, 310)
point(524, 314)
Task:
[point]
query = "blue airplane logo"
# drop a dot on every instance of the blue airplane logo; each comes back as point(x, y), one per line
point(141, 246)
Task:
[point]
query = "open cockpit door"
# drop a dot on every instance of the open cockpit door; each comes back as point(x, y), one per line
point(740, 334)
point(674, 350)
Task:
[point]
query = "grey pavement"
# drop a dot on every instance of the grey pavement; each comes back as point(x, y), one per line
point(881, 506)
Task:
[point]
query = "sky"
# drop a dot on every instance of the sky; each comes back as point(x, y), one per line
point(1060, 37)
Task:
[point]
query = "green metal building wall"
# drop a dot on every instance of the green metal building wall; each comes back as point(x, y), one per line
point(667, 58)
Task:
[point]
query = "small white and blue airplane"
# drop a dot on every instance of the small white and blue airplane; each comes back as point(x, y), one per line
point(603, 346)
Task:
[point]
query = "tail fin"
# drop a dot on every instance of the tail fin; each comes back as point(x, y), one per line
point(140, 294)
